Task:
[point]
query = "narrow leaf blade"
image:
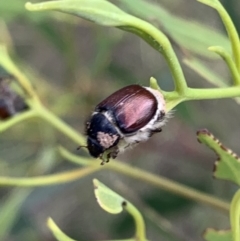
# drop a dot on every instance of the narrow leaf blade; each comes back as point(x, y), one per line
point(98, 11)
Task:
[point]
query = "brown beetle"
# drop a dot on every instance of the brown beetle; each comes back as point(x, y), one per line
point(125, 118)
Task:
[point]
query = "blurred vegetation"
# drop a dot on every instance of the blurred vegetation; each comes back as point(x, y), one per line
point(73, 64)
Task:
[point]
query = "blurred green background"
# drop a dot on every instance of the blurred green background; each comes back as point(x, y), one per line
point(73, 65)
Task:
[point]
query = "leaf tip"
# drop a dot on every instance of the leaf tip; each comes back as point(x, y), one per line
point(28, 6)
point(95, 183)
point(202, 132)
point(36, 6)
point(154, 84)
point(50, 222)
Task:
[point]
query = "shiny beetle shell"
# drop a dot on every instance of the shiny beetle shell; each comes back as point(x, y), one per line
point(131, 107)
point(125, 118)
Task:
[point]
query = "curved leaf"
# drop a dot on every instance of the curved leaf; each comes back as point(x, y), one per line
point(98, 11)
point(227, 166)
point(108, 199)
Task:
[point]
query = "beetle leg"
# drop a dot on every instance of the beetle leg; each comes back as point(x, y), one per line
point(152, 132)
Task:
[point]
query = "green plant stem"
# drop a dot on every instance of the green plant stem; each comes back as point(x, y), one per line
point(154, 84)
point(228, 59)
point(203, 94)
point(231, 30)
point(9, 65)
point(235, 216)
point(212, 93)
point(232, 34)
point(58, 124)
point(59, 235)
point(4, 125)
point(54, 179)
point(134, 172)
point(173, 98)
point(160, 182)
point(162, 45)
point(168, 185)
point(139, 222)
point(57, 232)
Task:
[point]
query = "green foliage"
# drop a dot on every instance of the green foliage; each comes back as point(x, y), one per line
point(179, 29)
point(105, 13)
point(114, 17)
point(98, 11)
point(227, 167)
point(214, 235)
point(114, 203)
point(107, 199)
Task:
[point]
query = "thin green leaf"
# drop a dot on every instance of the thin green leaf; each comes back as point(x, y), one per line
point(227, 166)
point(57, 232)
point(46, 180)
point(98, 11)
point(179, 29)
point(217, 235)
point(108, 199)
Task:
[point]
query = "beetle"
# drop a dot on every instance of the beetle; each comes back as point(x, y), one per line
point(122, 120)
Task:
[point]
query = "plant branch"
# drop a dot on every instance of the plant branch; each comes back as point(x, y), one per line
point(161, 43)
point(54, 179)
point(235, 216)
point(4, 125)
point(228, 59)
point(9, 65)
point(139, 222)
point(58, 124)
point(138, 173)
point(57, 232)
point(231, 30)
point(61, 236)
point(160, 182)
point(212, 93)
point(168, 185)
